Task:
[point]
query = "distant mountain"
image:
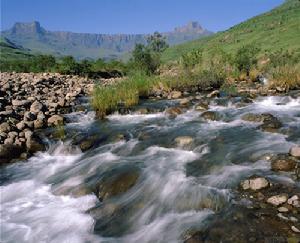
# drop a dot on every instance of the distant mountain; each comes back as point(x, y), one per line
point(278, 29)
point(84, 45)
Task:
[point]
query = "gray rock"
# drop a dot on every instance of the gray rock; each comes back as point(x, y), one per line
point(255, 184)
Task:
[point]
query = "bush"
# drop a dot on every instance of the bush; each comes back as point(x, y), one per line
point(246, 59)
point(191, 59)
point(146, 58)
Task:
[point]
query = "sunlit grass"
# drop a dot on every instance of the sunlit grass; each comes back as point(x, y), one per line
point(287, 77)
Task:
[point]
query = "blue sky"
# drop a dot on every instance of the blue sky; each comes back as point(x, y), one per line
point(130, 16)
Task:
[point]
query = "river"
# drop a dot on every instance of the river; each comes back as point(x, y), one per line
point(175, 187)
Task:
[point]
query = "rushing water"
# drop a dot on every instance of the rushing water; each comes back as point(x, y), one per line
point(178, 188)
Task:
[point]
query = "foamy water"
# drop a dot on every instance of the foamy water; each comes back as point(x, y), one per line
point(178, 188)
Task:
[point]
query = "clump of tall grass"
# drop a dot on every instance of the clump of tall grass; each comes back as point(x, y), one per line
point(108, 99)
point(286, 77)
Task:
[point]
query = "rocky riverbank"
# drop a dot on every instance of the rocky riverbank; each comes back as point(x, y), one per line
point(29, 102)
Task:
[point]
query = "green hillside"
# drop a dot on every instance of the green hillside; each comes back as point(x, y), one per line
point(10, 51)
point(271, 31)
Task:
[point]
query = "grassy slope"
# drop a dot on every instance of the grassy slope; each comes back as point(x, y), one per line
point(9, 51)
point(279, 28)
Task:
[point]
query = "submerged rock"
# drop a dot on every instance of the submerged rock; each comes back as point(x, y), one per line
point(117, 184)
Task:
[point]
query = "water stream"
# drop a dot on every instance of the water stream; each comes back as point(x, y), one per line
point(178, 188)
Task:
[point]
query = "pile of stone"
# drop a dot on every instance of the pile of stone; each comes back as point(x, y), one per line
point(31, 101)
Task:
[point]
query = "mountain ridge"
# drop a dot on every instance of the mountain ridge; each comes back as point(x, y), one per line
point(90, 45)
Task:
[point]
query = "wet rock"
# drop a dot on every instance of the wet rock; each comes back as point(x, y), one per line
point(184, 141)
point(252, 117)
point(210, 115)
point(175, 94)
point(295, 151)
point(255, 184)
point(277, 199)
point(117, 184)
point(9, 152)
point(283, 162)
point(270, 123)
point(173, 111)
point(202, 106)
point(55, 120)
point(86, 145)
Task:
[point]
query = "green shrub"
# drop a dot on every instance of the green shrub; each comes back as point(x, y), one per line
point(191, 59)
point(246, 58)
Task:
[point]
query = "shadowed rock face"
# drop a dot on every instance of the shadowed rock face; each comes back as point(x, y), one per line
point(83, 45)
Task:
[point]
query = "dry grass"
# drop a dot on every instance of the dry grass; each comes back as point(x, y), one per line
point(286, 77)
